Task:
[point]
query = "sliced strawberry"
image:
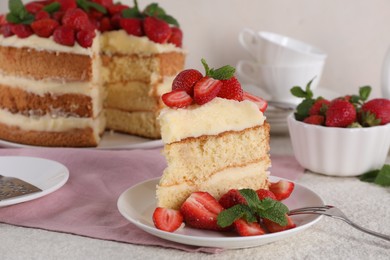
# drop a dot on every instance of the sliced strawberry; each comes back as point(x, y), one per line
point(262, 194)
point(261, 103)
point(76, 19)
point(231, 89)
point(231, 198)
point(200, 210)
point(167, 219)
point(177, 99)
point(282, 189)
point(22, 30)
point(44, 27)
point(176, 37)
point(315, 120)
point(319, 107)
point(64, 35)
point(206, 89)
point(186, 80)
point(132, 26)
point(273, 227)
point(85, 38)
point(157, 30)
point(244, 228)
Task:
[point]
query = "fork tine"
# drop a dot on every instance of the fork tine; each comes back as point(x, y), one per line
point(319, 208)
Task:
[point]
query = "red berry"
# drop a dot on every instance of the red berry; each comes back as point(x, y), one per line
point(319, 107)
point(261, 103)
point(3, 20)
point(206, 89)
point(177, 99)
point(67, 4)
point(186, 80)
point(45, 27)
point(244, 228)
point(380, 108)
point(231, 198)
point(340, 113)
point(262, 194)
point(132, 26)
point(105, 24)
point(76, 19)
point(34, 7)
point(200, 210)
point(231, 89)
point(157, 30)
point(6, 30)
point(21, 30)
point(64, 35)
point(282, 189)
point(95, 14)
point(85, 38)
point(176, 37)
point(42, 15)
point(167, 219)
point(117, 9)
point(274, 227)
point(105, 3)
point(314, 120)
point(58, 16)
point(115, 21)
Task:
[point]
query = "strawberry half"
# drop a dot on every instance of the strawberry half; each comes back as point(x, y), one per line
point(231, 89)
point(167, 219)
point(157, 30)
point(273, 227)
point(176, 37)
point(186, 80)
point(200, 210)
point(261, 103)
point(177, 99)
point(44, 27)
point(231, 198)
point(262, 194)
point(282, 189)
point(206, 89)
point(244, 228)
point(132, 26)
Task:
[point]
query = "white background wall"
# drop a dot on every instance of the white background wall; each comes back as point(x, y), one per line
point(354, 33)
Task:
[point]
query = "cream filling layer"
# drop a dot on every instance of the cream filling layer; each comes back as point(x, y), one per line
point(121, 42)
point(215, 117)
point(48, 44)
point(56, 88)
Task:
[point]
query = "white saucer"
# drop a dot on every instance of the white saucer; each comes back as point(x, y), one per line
point(139, 212)
point(45, 174)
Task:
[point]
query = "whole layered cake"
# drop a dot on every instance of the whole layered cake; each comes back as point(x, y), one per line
point(71, 69)
point(215, 135)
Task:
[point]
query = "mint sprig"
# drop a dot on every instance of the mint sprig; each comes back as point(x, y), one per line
point(53, 7)
point(380, 177)
point(223, 73)
point(86, 5)
point(267, 208)
point(303, 108)
point(18, 13)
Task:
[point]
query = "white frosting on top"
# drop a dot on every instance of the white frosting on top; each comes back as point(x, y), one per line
point(215, 117)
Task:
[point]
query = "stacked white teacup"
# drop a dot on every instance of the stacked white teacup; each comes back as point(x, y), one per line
point(278, 63)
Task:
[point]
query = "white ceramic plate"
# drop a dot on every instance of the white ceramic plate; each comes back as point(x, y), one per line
point(140, 211)
point(110, 141)
point(45, 174)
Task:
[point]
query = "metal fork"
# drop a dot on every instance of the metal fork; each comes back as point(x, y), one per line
point(334, 212)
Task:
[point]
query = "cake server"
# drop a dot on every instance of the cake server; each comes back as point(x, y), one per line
point(11, 187)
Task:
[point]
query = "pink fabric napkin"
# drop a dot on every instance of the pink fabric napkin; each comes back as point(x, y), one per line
point(87, 204)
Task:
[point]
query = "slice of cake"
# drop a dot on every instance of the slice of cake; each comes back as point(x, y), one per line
point(216, 138)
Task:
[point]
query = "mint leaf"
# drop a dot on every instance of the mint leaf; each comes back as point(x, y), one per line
point(169, 19)
point(364, 92)
point(97, 7)
point(53, 7)
point(383, 177)
point(303, 109)
point(227, 217)
point(251, 197)
point(297, 91)
point(206, 67)
point(11, 18)
point(16, 7)
point(223, 73)
point(273, 210)
point(154, 9)
point(309, 93)
point(131, 13)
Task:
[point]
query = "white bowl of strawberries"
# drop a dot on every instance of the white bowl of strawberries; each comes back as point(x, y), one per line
point(347, 136)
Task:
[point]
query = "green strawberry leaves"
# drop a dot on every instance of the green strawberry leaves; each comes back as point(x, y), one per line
point(380, 177)
point(303, 108)
point(223, 73)
point(18, 13)
point(51, 8)
point(87, 5)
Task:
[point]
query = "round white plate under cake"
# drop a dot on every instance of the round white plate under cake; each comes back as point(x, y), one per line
point(45, 174)
point(139, 212)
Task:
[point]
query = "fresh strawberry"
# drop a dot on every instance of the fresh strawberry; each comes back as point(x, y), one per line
point(206, 89)
point(6, 30)
point(261, 103)
point(200, 210)
point(105, 3)
point(64, 35)
point(132, 26)
point(282, 189)
point(116, 20)
point(85, 38)
point(177, 99)
point(76, 19)
point(21, 30)
point(315, 120)
point(117, 9)
point(231, 89)
point(45, 27)
point(231, 198)
point(34, 7)
point(262, 194)
point(67, 4)
point(340, 113)
point(156, 29)
point(379, 108)
point(3, 20)
point(186, 80)
point(42, 15)
point(95, 15)
point(105, 24)
point(58, 15)
point(244, 228)
point(176, 37)
point(319, 107)
point(273, 227)
point(167, 219)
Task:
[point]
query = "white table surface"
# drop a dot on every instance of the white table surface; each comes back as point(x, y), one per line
point(366, 204)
